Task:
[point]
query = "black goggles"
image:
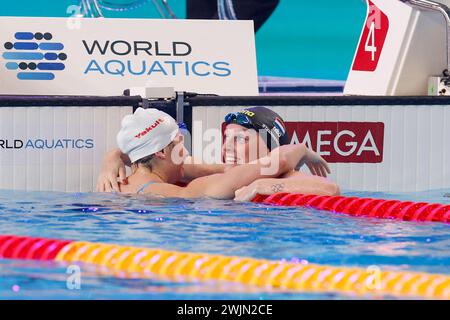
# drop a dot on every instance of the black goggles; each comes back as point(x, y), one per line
point(239, 118)
point(243, 120)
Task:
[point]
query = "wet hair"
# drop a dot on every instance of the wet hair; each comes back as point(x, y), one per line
point(146, 162)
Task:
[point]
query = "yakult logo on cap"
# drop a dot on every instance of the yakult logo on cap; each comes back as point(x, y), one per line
point(148, 129)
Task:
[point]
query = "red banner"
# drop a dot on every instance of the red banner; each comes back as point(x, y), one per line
point(357, 142)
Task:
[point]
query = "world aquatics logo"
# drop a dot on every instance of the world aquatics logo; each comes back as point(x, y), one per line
point(34, 55)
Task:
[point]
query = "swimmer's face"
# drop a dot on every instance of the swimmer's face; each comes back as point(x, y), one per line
point(242, 145)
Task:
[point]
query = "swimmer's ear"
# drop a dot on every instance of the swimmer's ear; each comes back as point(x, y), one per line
point(160, 154)
point(164, 152)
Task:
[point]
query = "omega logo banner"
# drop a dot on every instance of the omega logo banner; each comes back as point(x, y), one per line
point(85, 56)
point(389, 148)
point(351, 142)
point(339, 142)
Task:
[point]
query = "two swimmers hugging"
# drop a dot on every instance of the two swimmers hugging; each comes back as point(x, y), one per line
point(151, 143)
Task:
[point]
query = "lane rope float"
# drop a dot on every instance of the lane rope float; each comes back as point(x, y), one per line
point(185, 266)
point(363, 207)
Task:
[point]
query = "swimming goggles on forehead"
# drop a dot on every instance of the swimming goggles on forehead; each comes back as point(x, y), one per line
point(239, 118)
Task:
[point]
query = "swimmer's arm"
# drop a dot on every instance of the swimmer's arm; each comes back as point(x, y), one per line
point(316, 164)
point(194, 170)
point(117, 154)
point(223, 186)
point(114, 163)
point(216, 186)
point(307, 181)
point(113, 167)
point(300, 183)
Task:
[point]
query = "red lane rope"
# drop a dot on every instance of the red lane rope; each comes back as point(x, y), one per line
point(363, 207)
point(13, 247)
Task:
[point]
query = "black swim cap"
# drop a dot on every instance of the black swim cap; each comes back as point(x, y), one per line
point(261, 118)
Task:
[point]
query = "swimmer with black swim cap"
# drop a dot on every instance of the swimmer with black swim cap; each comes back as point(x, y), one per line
point(267, 131)
point(251, 134)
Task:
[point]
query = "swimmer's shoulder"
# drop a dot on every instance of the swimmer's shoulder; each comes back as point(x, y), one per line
point(168, 190)
point(164, 190)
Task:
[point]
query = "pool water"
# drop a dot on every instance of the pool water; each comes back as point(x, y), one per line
point(216, 227)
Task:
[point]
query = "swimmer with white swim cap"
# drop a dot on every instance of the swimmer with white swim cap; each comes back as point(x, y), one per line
point(152, 141)
point(241, 133)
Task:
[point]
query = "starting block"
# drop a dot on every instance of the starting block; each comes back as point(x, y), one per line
point(403, 49)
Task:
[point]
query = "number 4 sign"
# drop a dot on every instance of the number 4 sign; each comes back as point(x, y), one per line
point(372, 40)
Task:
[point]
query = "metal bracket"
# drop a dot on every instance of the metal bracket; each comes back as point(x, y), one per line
point(180, 103)
point(439, 7)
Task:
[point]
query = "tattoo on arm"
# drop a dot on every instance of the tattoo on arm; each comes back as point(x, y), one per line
point(277, 187)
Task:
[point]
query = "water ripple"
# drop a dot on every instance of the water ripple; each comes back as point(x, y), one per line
point(218, 227)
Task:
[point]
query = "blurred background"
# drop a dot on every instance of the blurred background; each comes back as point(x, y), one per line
point(301, 39)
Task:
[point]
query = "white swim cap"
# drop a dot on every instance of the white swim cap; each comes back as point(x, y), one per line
point(146, 132)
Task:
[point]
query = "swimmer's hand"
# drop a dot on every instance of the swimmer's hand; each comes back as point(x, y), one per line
point(316, 164)
point(113, 166)
point(247, 193)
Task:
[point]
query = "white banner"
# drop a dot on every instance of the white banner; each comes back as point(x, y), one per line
point(56, 148)
point(84, 56)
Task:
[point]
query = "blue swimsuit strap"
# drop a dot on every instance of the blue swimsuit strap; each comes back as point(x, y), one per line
point(141, 189)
